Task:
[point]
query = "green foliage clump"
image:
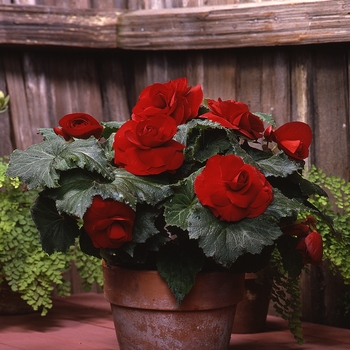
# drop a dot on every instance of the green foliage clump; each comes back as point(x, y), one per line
point(23, 264)
point(336, 245)
point(286, 295)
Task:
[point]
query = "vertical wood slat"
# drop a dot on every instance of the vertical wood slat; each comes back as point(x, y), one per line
point(114, 92)
point(22, 126)
point(6, 145)
point(330, 107)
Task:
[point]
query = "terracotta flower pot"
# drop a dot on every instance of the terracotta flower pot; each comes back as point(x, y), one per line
point(251, 312)
point(146, 315)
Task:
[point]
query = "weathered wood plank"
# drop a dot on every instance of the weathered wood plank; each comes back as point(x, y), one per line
point(74, 84)
point(114, 93)
point(6, 145)
point(237, 25)
point(223, 26)
point(54, 26)
point(24, 133)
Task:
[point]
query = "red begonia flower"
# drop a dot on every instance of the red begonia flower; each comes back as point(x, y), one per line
point(231, 189)
point(174, 98)
point(146, 147)
point(294, 138)
point(109, 223)
point(79, 125)
point(235, 115)
point(311, 248)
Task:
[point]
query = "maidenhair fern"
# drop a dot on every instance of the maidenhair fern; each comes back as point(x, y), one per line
point(336, 246)
point(23, 263)
point(286, 297)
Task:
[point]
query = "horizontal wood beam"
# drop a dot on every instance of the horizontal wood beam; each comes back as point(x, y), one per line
point(268, 23)
point(54, 26)
point(250, 24)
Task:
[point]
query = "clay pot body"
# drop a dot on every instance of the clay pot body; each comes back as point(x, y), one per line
point(146, 315)
point(251, 312)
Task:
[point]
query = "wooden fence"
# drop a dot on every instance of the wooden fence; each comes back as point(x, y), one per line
point(288, 59)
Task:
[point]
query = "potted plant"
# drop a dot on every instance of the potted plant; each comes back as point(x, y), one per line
point(181, 188)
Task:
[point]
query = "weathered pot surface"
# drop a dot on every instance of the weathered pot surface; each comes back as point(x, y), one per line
point(146, 315)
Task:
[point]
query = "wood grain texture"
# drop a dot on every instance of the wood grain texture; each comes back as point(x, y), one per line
point(55, 26)
point(268, 23)
point(6, 145)
point(23, 131)
point(238, 25)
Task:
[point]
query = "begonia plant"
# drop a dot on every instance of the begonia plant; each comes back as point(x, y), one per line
point(185, 184)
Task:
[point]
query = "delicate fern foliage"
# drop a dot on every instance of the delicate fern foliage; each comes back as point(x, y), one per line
point(23, 264)
point(336, 245)
point(286, 296)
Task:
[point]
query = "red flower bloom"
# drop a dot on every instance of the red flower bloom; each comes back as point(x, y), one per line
point(173, 98)
point(236, 116)
point(146, 147)
point(269, 134)
point(311, 248)
point(231, 189)
point(294, 139)
point(79, 125)
point(309, 242)
point(109, 223)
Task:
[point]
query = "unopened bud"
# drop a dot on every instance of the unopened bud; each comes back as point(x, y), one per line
point(4, 100)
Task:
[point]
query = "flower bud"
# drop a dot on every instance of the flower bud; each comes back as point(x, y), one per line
point(3, 102)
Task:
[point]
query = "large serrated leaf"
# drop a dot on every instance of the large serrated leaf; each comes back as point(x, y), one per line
point(283, 206)
point(36, 165)
point(278, 165)
point(227, 241)
point(85, 154)
point(40, 165)
point(193, 134)
point(110, 127)
point(179, 265)
point(178, 208)
point(144, 227)
point(265, 117)
point(78, 187)
point(146, 189)
point(57, 231)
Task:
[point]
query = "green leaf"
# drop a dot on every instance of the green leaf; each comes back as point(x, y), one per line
point(110, 127)
point(144, 226)
point(309, 188)
point(266, 118)
point(178, 208)
point(277, 165)
point(226, 241)
point(40, 165)
point(147, 189)
point(194, 135)
point(36, 165)
point(283, 206)
point(47, 133)
point(291, 259)
point(178, 264)
point(57, 232)
point(87, 246)
point(78, 187)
